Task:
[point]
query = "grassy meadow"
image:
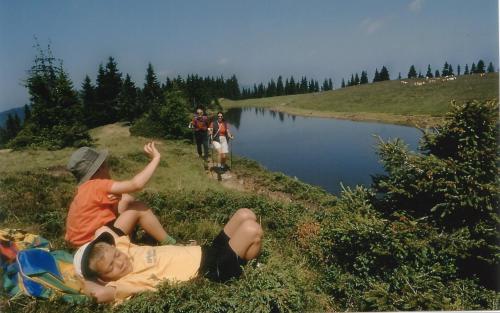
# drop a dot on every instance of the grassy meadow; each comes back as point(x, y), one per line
point(35, 192)
point(387, 101)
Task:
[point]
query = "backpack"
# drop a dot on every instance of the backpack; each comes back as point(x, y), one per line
point(30, 269)
point(43, 274)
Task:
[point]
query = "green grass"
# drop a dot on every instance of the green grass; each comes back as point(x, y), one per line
point(388, 101)
point(35, 192)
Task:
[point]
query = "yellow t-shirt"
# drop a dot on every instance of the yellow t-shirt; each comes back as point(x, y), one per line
point(151, 265)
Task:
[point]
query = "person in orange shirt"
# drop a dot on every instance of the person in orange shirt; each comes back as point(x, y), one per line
point(102, 201)
point(115, 269)
point(219, 132)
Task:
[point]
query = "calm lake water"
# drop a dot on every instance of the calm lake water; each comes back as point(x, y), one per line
point(319, 151)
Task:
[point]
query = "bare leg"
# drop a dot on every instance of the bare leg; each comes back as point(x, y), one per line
point(138, 213)
point(237, 219)
point(247, 239)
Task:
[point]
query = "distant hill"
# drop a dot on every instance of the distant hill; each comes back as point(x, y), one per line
point(396, 101)
point(4, 114)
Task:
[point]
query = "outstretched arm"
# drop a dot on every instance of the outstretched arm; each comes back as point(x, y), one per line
point(139, 180)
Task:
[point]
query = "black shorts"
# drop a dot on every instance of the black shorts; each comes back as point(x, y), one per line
point(218, 261)
point(118, 231)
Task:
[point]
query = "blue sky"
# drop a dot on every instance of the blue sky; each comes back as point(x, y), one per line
point(256, 40)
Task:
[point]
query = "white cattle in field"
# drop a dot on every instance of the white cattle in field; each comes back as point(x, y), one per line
point(404, 82)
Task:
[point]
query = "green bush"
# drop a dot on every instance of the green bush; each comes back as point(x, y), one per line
point(168, 118)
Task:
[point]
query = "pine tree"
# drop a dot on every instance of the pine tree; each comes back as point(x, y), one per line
point(109, 85)
point(429, 72)
point(90, 107)
point(450, 70)
point(384, 74)
point(480, 67)
point(458, 70)
point(316, 86)
point(352, 82)
point(129, 106)
point(364, 78)
point(343, 84)
point(466, 71)
point(325, 85)
point(490, 69)
point(292, 87)
point(412, 73)
point(280, 89)
point(445, 72)
point(27, 113)
point(473, 69)
point(330, 84)
point(56, 113)
point(151, 91)
point(356, 79)
point(399, 76)
point(436, 74)
point(376, 77)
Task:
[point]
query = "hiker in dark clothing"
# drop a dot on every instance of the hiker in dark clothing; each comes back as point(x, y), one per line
point(200, 125)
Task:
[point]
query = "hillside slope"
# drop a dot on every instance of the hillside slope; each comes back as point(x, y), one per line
point(389, 101)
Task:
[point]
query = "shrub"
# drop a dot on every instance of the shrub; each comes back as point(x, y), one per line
point(168, 118)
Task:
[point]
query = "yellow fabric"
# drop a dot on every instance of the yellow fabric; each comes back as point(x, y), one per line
point(152, 265)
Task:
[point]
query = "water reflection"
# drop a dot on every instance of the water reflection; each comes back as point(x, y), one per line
point(319, 151)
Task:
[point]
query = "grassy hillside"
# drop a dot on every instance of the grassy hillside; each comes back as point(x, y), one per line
point(389, 101)
point(35, 192)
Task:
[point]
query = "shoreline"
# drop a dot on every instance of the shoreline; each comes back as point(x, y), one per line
point(418, 121)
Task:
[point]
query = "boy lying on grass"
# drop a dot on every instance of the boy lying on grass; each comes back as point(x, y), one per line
point(102, 201)
point(115, 269)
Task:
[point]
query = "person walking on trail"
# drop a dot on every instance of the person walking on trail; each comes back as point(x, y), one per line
point(113, 269)
point(219, 131)
point(200, 125)
point(100, 200)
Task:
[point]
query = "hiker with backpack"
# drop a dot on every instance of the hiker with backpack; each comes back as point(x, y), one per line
point(200, 125)
point(101, 200)
point(115, 269)
point(220, 134)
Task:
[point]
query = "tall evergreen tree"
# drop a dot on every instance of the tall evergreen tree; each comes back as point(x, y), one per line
point(399, 76)
point(436, 74)
point(280, 89)
point(444, 72)
point(330, 84)
point(364, 78)
point(90, 105)
point(356, 79)
point(450, 70)
point(129, 105)
point(429, 72)
point(292, 87)
point(376, 77)
point(56, 112)
point(384, 74)
point(458, 70)
point(412, 73)
point(466, 71)
point(473, 68)
point(480, 66)
point(109, 85)
point(490, 69)
point(343, 84)
point(151, 91)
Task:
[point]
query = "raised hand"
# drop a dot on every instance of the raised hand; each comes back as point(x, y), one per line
point(151, 150)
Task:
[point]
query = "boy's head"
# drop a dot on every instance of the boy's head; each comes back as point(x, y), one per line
point(99, 259)
point(85, 162)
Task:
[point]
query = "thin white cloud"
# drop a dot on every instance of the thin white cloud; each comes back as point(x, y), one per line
point(416, 5)
point(370, 25)
point(222, 61)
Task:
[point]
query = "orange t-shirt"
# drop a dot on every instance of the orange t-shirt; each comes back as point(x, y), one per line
point(90, 210)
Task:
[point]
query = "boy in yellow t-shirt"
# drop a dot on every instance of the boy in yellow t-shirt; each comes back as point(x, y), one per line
point(116, 269)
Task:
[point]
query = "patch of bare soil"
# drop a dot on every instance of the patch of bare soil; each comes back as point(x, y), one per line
point(232, 180)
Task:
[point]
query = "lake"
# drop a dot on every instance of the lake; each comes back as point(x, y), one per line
point(318, 151)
